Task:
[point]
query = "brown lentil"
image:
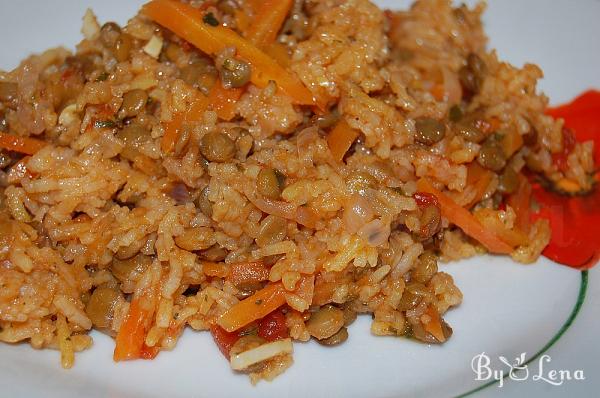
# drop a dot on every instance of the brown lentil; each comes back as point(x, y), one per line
point(109, 34)
point(123, 270)
point(8, 91)
point(426, 267)
point(491, 155)
point(326, 322)
point(217, 147)
point(469, 131)
point(336, 339)
point(429, 131)
point(235, 73)
point(123, 47)
point(273, 229)
point(100, 307)
point(203, 203)
point(508, 181)
point(133, 102)
point(269, 184)
point(471, 75)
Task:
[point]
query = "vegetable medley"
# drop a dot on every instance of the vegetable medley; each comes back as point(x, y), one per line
point(269, 170)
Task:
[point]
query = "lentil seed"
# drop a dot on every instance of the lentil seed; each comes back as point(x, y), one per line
point(269, 184)
point(217, 147)
point(133, 102)
point(429, 131)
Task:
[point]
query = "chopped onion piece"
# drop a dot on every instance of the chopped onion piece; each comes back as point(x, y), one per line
point(261, 353)
point(68, 115)
point(275, 207)
point(90, 28)
point(376, 232)
point(357, 212)
point(154, 46)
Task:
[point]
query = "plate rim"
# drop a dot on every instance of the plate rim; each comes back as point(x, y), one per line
point(581, 296)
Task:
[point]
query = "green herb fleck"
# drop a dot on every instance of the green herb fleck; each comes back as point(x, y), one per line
point(280, 178)
point(210, 19)
point(105, 124)
point(251, 331)
point(455, 113)
point(102, 77)
point(258, 302)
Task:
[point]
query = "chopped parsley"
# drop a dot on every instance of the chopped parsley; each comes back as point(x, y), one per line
point(105, 124)
point(210, 19)
point(102, 77)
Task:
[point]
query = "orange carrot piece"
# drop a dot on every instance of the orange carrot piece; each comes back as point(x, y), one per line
point(25, 145)
point(491, 221)
point(480, 178)
point(340, 139)
point(223, 100)
point(242, 20)
point(520, 201)
point(324, 287)
point(215, 269)
point(173, 127)
point(131, 336)
point(267, 21)
point(434, 326)
point(279, 53)
point(438, 91)
point(149, 352)
point(511, 142)
point(462, 218)
point(187, 22)
point(257, 306)
point(248, 272)
point(307, 216)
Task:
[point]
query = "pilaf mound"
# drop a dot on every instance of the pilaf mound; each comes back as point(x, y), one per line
point(267, 172)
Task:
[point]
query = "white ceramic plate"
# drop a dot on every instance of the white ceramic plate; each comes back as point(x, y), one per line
point(508, 309)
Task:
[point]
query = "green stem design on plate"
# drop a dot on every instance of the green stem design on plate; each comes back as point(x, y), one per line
point(580, 299)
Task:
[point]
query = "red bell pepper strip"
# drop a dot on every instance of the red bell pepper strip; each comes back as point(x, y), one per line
point(574, 220)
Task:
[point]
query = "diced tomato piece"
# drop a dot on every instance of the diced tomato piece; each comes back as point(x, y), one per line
point(273, 326)
point(224, 339)
point(425, 199)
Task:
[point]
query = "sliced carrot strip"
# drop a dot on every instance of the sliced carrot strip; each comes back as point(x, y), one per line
point(131, 336)
point(215, 269)
point(171, 134)
point(492, 221)
point(434, 326)
point(480, 178)
point(173, 127)
point(511, 142)
point(25, 145)
point(340, 139)
point(248, 272)
point(520, 201)
point(187, 22)
point(268, 21)
point(279, 53)
point(223, 100)
point(462, 218)
point(257, 306)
